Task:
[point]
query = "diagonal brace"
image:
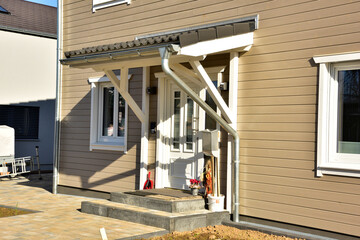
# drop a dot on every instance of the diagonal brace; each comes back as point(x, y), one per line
point(214, 93)
point(121, 86)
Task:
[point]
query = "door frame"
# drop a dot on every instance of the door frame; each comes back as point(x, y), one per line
point(163, 128)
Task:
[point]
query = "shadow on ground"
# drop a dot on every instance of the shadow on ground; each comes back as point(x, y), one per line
point(34, 180)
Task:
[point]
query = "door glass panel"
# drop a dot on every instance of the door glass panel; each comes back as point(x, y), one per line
point(188, 123)
point(176, 122)
point(349, 112)
point(121, 116)
point(108, 111)
point(209, 122)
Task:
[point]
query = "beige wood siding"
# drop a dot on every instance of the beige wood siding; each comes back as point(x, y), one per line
point(277, 101)
point(100, 170)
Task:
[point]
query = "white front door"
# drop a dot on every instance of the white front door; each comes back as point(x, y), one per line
point(183, 159)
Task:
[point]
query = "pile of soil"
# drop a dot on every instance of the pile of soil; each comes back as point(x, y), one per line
point(220, 232)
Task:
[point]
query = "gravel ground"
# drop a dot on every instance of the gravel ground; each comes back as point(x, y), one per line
point(220, 232)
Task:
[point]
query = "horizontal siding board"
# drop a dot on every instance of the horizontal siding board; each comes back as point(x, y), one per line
point(304, 146)
point(296, 218)
point(281, 100)
point(292, 109)
point(349, 187)
point(349, 210)
point(276, 162)
point(276, 153)
point(282, 91)
point(98, 155)
point(96, 184)
point(278, 118)
point(289, 127)
point(100, 163)
point(281, 73)
point(298, 35)
point(340, 218)
point(300, 18)
point(109, 169)
point(124, 175)
point(299, 191)
point(285, 136)
point(279, 171)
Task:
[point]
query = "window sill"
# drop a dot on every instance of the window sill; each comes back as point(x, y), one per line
point(339, 169)
point(107, 146)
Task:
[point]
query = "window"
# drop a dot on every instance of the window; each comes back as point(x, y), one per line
point(108, 117)
point(98, 4)
point(25, 120)
point(339, 115)
point(3, 10)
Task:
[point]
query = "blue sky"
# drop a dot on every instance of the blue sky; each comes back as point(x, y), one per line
point(52, 3)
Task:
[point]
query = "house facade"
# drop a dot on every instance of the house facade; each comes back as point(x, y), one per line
point(140, 80)
point(28, 76)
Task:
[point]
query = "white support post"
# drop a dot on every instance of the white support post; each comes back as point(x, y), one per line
point(214, 93)
point(233, 90)
point(125, 94)
point(144, 127)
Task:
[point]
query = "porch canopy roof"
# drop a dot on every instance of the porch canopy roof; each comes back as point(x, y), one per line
point(185, 45)
point(188, 43)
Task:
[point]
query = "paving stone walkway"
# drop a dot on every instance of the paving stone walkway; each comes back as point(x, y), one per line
point(57, 216)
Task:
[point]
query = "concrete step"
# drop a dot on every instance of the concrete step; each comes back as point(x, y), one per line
point(185, 203)
point(169, 221)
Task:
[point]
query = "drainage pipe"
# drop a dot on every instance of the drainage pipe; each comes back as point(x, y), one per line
point(56, 156)
point(165, 54)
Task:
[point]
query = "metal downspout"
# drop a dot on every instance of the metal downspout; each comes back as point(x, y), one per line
point(165, 54)
point(57, 106)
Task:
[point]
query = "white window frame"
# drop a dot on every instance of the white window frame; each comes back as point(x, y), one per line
point(99, 4)
point(328, 160)
point(97, 141)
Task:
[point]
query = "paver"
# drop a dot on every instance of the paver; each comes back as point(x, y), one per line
point(58, 216)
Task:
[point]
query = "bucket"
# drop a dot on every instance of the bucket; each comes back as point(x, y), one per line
point(216, 204)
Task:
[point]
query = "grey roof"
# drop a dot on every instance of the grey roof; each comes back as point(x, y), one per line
point(183, 37)
point(29, 17)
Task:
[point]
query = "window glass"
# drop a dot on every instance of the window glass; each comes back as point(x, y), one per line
point(24, 120)
point(189, 117)
point(176, 123)
point(349, 111)
point(121, 116)
point(108, 111)
point(210, 123)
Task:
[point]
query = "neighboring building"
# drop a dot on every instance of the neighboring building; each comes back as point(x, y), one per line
point(28, 76)
point(292, 68)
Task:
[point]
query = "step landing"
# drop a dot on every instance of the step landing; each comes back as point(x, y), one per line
point(173, 210)
point(158, 201)
point(179, 221)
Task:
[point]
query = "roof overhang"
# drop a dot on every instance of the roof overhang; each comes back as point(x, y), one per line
point(185, 45)
point(149, 56)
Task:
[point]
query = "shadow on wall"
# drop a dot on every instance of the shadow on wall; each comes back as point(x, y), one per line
point(27, 117)
point(100, 170)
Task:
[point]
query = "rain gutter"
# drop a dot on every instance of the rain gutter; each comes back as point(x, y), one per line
point(115, 55)
point(56, 158)
point(165, 54)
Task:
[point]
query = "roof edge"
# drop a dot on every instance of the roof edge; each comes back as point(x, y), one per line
point(28, 32)
point(254, 18)
point(114, 55)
